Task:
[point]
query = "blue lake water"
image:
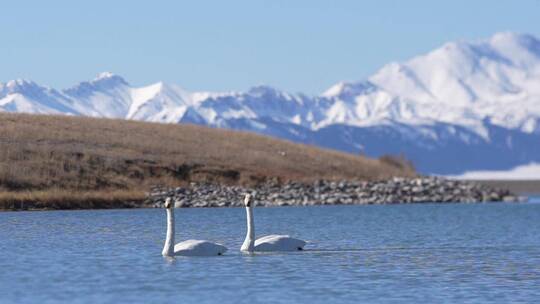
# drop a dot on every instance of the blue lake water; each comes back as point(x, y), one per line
point(453, 253)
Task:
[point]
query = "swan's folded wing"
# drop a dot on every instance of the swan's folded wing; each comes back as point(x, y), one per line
point(199, 248)
point(276, 242)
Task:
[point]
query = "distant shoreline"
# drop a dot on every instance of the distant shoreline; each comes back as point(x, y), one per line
point(522, 187)
point(321, 192)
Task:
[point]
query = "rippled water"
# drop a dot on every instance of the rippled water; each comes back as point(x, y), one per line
point(378, 254)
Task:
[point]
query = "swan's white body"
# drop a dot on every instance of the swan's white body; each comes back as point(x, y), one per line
point(189, 247)
point(272, 242)
point(198, 248)
point(276, 242)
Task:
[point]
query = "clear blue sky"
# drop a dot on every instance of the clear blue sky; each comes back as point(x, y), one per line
point(231, 45)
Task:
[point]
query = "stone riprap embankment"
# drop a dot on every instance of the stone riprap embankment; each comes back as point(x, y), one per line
point(393, 191)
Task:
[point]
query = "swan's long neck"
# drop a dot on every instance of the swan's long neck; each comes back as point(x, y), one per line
point(168, 249)
point(249, 242)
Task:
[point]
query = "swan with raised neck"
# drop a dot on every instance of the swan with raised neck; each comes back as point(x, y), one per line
point(272, 242)
point(189, 247)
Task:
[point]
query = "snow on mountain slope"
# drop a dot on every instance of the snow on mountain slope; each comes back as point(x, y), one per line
point(258, 102)
point(159, 103)
point(107, 95)
point(462, 100)
point(27, 96)
point(523, 172)
point(461, 83)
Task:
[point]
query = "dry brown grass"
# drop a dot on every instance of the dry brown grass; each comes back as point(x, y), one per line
point(398, 161)
point(39, 153)
point(66, 199)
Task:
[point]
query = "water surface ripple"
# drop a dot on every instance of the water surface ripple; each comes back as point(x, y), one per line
point(448, 253)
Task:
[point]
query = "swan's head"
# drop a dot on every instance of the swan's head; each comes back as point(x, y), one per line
point(247, 200)
point(168, 203)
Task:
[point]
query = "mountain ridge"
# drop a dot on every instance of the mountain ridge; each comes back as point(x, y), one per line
point(478, 96)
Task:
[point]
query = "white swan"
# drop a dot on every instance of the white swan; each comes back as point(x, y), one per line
point(189, 247)
point(266, 243)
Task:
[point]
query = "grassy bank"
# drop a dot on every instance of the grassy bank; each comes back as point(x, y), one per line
point(62, 161)
point(55, 199)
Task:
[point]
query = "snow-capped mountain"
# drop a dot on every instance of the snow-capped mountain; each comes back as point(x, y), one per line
point(460, 83)
point(464, 106)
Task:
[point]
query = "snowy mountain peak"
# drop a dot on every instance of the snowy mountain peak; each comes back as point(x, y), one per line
point(20, 84)
point(109, 78)
point(471, 94)
point(346, 90)
point(23, 87)
point(105, 75)
point(104, 82)
point(263, 90)
point(525, 40)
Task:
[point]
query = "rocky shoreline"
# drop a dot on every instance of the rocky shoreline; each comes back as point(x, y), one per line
point(323, 192)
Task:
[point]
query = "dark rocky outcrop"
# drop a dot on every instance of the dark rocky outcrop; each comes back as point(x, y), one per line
point(322, 192)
